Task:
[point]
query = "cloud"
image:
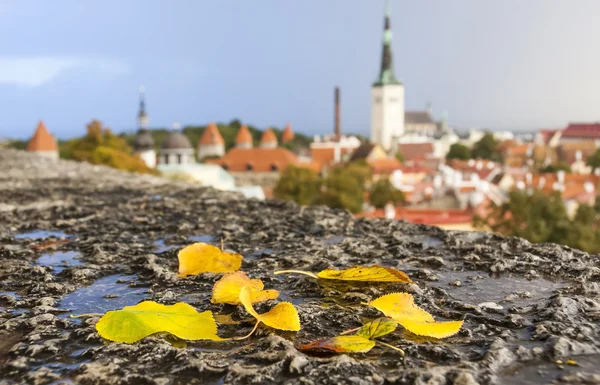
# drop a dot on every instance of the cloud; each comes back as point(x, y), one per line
point(38, 70)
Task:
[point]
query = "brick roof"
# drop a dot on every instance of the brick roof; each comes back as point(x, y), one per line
point(582, 130)
point(211, 135)
point(257, 159)
point(268, 137)
point(385, 166)
point(415, 151)
point(243, 135)
point(288, 134)
point(42, 140)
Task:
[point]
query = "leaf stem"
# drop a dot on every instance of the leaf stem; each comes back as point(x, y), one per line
point(249, 334)
point(391, 347)
point(296, 272)
point(350, 331)
point(86, 315)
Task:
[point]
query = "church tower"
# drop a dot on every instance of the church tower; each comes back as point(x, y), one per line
point(387, 97)
point(144, 143)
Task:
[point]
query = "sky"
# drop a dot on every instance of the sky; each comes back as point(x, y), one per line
point(510, 64)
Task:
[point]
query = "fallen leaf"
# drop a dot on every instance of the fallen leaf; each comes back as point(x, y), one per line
point(374, 273)
point(225, 319)
point(402, 308)
point(341, 344)
point(377, 328)
point(204, 258)
point(227, 289)
point(132, 323)
point(53, 243)
point(283, 316)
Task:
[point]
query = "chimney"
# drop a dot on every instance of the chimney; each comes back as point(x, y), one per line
point(337, 128)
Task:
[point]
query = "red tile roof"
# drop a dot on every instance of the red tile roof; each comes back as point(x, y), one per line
point(243, 135)
point(426, 216)
point(582, 130)
point(547, 135)
point(211, 135)
point(42, 140)
point(416, 151)
point(385, 166)
point(256, 159)
point(288, 134)
point(326, 156)
point(268, 137)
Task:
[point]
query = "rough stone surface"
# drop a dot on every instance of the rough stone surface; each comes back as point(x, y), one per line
point(76, 238)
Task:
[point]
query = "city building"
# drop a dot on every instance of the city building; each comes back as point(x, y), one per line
point(243, 138)
point(211, 143)
point(176, 149)
point(42, 143)
point(143, 144)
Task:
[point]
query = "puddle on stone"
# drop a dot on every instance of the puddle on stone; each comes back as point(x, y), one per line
point(161, 247)
point(92, 299)
point(334, 240)
point(201, 238)
point(534, 373)
point(286, 296)
point(155, 197)
point(40, 234)
point(59, 260)
point(258, 254)
point(425, 241)
point(479, 287)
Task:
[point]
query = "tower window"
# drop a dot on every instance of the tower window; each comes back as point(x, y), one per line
point(225, 167)
point(378, 99)
point(249, 167)
point(179, 158)
point(274, 167)
point(393, 100)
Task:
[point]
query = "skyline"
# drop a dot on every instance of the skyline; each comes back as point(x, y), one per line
point(263, 63)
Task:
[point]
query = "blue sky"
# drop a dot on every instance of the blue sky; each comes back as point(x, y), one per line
point(507, 64)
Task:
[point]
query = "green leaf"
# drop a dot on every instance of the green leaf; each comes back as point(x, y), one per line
point(377, 328)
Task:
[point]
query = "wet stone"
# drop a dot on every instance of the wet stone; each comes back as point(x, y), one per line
point(524, 306)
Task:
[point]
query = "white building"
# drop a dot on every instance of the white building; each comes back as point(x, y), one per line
point(387, 98)
point(144, 143)
point(176, 149)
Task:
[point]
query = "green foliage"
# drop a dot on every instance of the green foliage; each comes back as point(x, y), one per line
point(399, 156)
point(298, 184)
point(487, 148)
point(16, 144)
point(383, 192)
point(594, 160)
point(343, 188)
point(459, 151)
point(541, 217)
point(101, 146)
point(553, 168)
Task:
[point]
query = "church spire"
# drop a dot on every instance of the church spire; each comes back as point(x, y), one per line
point(143, 118)
point(386, 74)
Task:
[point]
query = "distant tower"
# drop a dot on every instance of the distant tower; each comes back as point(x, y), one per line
point(268, 140)
point(211, 142)
point(144, 143)
point(243, 139)
point(337, 129)
point(387, 97)
point(288, 134)
point(42, 143)
point(176, 148)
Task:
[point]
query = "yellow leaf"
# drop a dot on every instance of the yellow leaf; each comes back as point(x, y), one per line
point(132, 323)
point(401, 307)
point(377, 328)
point(341, 344)
point(227, 289)
point(204, 258)
point(358, 273)
point(433, 329)
point(283, 316)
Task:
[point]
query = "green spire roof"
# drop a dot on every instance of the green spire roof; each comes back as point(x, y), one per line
point(386, 74)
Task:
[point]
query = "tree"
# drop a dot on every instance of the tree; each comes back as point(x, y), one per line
point(540, 217)
point(594, 160)
point(487, 148)
point(298, 184)
point(399, 156)
point(383, 192)
point(554, 168)
point(101, 146)
point(459, 151)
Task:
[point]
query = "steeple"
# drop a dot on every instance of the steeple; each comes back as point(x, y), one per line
point(143, 118)
point(386, 74)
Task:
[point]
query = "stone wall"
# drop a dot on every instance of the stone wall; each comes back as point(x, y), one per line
point(263, 179)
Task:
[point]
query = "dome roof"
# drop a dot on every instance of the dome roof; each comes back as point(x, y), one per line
point(176, 140)
point(143, 141)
